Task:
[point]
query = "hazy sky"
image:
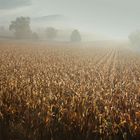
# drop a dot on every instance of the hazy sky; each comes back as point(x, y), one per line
point(114, 18)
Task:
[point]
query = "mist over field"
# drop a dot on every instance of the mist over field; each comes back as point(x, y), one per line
point(69, 70)
point(95, 19)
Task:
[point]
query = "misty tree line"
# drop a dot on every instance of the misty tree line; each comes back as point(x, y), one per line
point(22, 30)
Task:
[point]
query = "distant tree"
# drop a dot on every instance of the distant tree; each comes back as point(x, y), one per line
point(35, 36)
point(21, 28)
point(134, 38)
point(75, 36)
point(51, 33)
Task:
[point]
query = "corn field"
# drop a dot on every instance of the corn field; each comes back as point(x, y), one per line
point(69, 92)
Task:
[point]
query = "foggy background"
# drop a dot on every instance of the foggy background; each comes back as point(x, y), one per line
point(95, 19)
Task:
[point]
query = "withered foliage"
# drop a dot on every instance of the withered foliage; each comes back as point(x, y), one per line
point(68, 92)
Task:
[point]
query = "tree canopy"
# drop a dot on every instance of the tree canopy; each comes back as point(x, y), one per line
point(75, 36)
point(21, 28)
point(51, 33)
point(134, 38)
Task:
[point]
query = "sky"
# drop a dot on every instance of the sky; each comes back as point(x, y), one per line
point(111, 18)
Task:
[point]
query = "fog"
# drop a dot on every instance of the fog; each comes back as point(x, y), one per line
point(69, 69)
point(94, 19)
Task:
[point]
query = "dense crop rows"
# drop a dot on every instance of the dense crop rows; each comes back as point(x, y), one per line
point(69, 93)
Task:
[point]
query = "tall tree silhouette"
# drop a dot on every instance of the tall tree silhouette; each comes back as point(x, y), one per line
point(51, 33)
point(75, 36)
point(21, 27)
